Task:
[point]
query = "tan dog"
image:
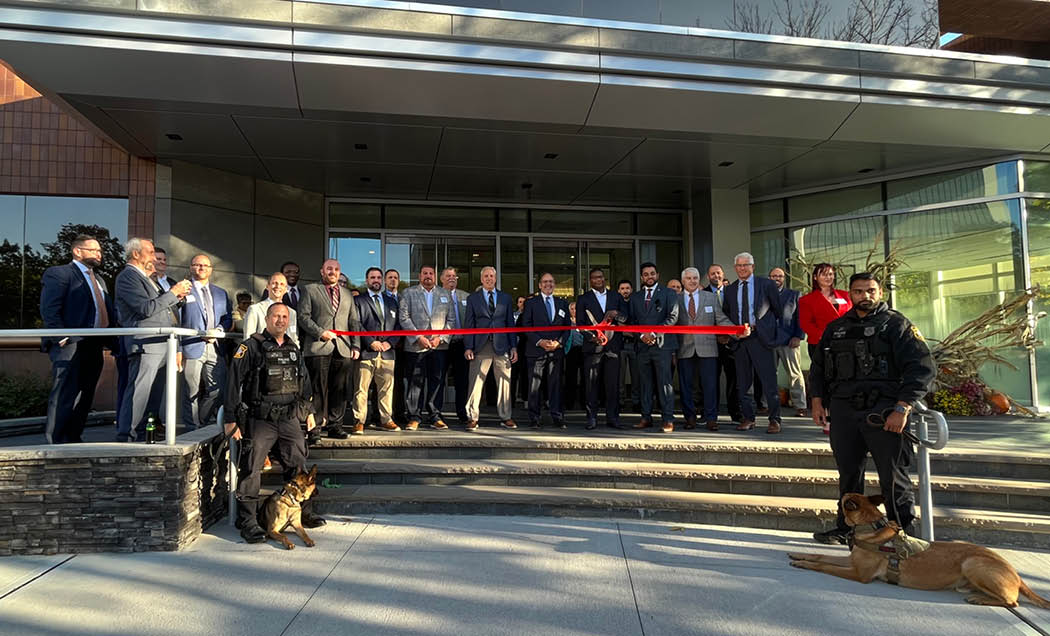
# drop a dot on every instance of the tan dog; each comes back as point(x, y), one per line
point(284, 508)
point(944, 564)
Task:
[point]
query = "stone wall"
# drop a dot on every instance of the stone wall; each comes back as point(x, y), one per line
point(110, 497)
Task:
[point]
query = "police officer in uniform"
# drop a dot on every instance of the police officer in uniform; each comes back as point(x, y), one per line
point(267, 396)
point(870, 361)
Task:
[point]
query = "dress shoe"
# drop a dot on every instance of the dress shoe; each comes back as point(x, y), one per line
point(712, 425)
point(738, 418)
point(439, 425)
point(412, 425)
point(560, 424)
point(337, 432)
point(645, 422)
point(508, 424)
point(311, 520)
point(267, 465)
point(668, 427)
point(801, 413)
point(472, 425)
point(313, 438)
point(591, 425)
point(774, 427)
point(690, 423)
point(251, 532)
point(745, 425)
point(389, 426)
point(835, 536)
point(358, 429)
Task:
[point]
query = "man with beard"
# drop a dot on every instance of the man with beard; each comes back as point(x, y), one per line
point(140, 302)
point(870, 361)
point(716, 278)
point(425, 307)
point(601, 351)
point(653, 305)
point(378, 312)
point(74, 297)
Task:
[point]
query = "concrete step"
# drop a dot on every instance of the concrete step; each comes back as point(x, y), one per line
point(758, 511)
point(976, 492)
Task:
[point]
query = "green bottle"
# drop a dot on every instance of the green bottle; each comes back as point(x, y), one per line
point(151, 429)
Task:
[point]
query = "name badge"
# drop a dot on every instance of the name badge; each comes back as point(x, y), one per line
point(839, 301)
point(190, 298)
point(709, 309)
point(444, 300)
point(561, 313)
point(392, 313)
point(463, 302)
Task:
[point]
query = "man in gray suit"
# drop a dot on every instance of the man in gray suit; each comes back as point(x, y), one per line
point(457, 362)
point(324, 308)
point(141, 302)
point(425, 306)
point(698, 353)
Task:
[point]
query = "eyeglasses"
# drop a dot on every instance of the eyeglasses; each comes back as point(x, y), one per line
point(89, 249)
point(201, 265)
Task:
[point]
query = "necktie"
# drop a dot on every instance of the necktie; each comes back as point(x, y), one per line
point(550, 309)
point(379, 306)
point(745, 305)
point(492, 304)
point(455, 306)
point(293, 295)
point(648, 297)
point(692, 307)
point(209, 308)
point(333, 295)
point(103, 315)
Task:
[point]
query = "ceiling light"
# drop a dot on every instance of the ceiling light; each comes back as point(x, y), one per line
point(174, 136)
point(366, 179)
point(371, 252)
point(551, 155)
point(726, 164)
point(864, 170)
point(360, 146)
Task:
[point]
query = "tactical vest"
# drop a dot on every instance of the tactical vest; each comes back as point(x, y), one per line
point(279, 369)
point(860, 350)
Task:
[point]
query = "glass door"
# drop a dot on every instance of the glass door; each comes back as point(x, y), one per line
point(616, 258)
point(355, 253)
point(560, 258)
point(469, 254)
point(407, 253)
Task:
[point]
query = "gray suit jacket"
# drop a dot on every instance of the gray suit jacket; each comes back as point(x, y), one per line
point(708, 313)
point(315, 315)
point(461, 300)
point(140, 303)
point(414, 315)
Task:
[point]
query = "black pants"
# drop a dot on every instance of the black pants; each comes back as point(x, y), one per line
point(573, 379)
point(754, 358)
point(655, 374)
point(330, 375)
point(851, 441)
point(287, 435)
point(458, 366)
point(75, 369)
point(727, 366)
point(602, 369)
point(426, 374)
point(548, 365)
point(400, 364)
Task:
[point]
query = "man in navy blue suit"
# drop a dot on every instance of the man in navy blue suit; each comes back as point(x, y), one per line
point(755, 301)
point(202, 359)
point(379, 312)
point(74, 297)
point(487, 308)
point(545, 350)
point(655, 305)
point(601, 362)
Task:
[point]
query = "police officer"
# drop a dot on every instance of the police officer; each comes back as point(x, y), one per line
point(267, 396)
point(870, 361)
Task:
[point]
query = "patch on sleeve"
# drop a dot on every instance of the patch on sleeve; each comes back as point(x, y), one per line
point(918, 334)
point(241, 350)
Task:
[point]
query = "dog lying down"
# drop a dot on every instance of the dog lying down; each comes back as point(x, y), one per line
point(284, 508)
point(878, 552)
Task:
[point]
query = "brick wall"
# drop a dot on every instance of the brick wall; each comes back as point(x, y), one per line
point(110, 497)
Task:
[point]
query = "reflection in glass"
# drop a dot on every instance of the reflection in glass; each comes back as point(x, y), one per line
point(655, 224)
point(411, 217)
point(767, 213)
point(560, 258)
point(972, 183)
point(843, 243)
point(768, 248)
point(616, 258)
point(355, 215)
point(667, 255)
point(1039, 258)
point(1037, 176)
point(513, 220)
point(572, 222)
point(355, 253)
point(408, 253)
point(469, 255)
point(12, 236)
point(514, 266)
point(858, 200)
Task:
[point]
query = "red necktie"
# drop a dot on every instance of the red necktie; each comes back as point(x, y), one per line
point(648, 297)
point(692, 307)
point(333, 294)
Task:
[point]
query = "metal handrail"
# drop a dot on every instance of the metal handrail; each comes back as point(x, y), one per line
point(171, 372)
point(923, 415)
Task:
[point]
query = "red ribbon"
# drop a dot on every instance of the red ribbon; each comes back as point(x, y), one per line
point(734, 330)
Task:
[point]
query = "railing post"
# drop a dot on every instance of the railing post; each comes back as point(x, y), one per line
point(171, 390)
point(925, 489)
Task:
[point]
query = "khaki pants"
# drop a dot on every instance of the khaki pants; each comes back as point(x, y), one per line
point(484, 359)
point(791, 359)
point(382, 372)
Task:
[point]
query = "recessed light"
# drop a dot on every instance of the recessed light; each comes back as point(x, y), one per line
point(371, 252)
point(360, 146)
point(366, 179)
point(551, 155)
point(526, 186)
point(174, 136)
point(726, 164)
point(863, 170)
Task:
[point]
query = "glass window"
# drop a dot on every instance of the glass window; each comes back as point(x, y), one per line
point(656, 224)
point(666, 254)
point(768, 248)
point(560, 258)
point(411, 217)
point(616, 258)
point(845, 244)
point(1039, 258)
point(513, 220)
point(767, 213)
point(12, 236)
point(355, 215)
point(960, 262)
point(859, 200)
point(469, 255)
point(514, 265)
point(1037, 176)
point(952, 186)
point(573, 222)
point(408, 253)
point(355, 253)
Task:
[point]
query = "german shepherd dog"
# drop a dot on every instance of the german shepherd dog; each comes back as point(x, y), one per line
point(284, 508)
point(987, 577)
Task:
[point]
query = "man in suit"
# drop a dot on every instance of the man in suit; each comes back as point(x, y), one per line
point(74, 297)
point(519, 375)
point(628, 361)
point(789, 339)
point(754, 301)
point(545, 350)
point(160, 272)
point(291, 271)
point(698, 353)
point(255, 317)
point(324, 308)
point(657, 306)
point(488, 308)
point(140, 302)
point(392, 282)
point(717, 284)
point(378, 312)
point(425, 307)
point(601, 351)
point(202, 360)
point(457, 363)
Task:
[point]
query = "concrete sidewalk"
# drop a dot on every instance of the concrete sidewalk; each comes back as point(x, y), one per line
point(416, 575)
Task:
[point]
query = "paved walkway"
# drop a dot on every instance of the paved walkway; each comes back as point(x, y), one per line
point(422, 575)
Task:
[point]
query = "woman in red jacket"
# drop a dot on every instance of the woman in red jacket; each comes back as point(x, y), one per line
point(822, 305)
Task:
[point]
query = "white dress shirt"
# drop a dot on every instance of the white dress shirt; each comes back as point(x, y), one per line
point(101, 286)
